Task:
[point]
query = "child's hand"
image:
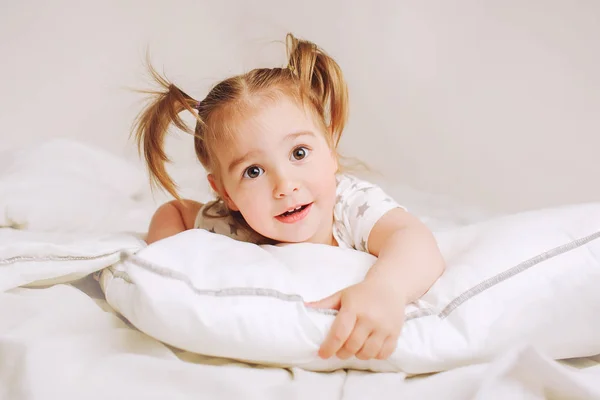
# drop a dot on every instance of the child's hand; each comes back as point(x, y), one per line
point(370, 317)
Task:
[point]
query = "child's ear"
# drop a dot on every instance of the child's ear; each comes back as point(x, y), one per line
point(217, 187)
point(213, 183)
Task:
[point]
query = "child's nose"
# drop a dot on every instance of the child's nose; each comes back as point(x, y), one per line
point(284, 186)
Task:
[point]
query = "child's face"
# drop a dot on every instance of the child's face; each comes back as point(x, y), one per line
point(280, 161)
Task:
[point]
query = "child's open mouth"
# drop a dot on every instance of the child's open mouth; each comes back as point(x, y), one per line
point(294, 215)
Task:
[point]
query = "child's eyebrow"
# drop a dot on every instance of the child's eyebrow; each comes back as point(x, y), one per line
point(294, 135)
point(240, 160)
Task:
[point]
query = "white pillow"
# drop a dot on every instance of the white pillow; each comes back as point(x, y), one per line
point(527, 278)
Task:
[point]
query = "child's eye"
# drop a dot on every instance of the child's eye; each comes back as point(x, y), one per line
point(300, 153)
point(253, 172)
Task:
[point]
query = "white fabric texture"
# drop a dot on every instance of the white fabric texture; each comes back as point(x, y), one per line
point(103, 357)
point(45, 258)
point(525, 279)
point(66, 186)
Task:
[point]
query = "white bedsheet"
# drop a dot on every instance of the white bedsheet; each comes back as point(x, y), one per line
point(64, 342)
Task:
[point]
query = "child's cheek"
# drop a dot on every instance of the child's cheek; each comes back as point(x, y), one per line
point(253, 203)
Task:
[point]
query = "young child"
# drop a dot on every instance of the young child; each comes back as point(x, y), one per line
point(268, 141)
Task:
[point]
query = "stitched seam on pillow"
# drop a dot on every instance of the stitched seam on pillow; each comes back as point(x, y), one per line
point(16, 259)
point(419, 314)
point(227, 292)
point(517, 269)
point(453, 305)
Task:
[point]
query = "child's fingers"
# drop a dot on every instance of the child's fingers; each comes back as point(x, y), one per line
point(338, 334)
point(355, 342)
point(372, 346)
point(332, 302)
point(388, 347)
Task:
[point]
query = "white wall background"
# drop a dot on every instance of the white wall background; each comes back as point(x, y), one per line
point(491, 102)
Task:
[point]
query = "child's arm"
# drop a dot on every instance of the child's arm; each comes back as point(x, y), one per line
point(371, 313)
point(172, 218)
point(408, 254)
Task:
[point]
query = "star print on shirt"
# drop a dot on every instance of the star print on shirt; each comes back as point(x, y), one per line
point(362, 209)
point(233, 229)
point(365, 189)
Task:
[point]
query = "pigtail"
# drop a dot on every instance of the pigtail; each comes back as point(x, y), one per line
point(152, 124)
point(322, 77)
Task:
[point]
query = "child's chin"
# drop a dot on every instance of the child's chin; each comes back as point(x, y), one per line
point(294, 239)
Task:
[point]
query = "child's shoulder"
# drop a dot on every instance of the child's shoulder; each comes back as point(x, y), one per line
point(354, 190)
point(344, 178)
point(350, 183)
point(359, 204)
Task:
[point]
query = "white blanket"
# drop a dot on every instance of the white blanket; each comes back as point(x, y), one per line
point(62, 341)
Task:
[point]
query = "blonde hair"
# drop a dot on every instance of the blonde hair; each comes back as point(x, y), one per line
point(311, 77)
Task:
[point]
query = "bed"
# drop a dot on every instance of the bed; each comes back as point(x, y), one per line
point(59, 338)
